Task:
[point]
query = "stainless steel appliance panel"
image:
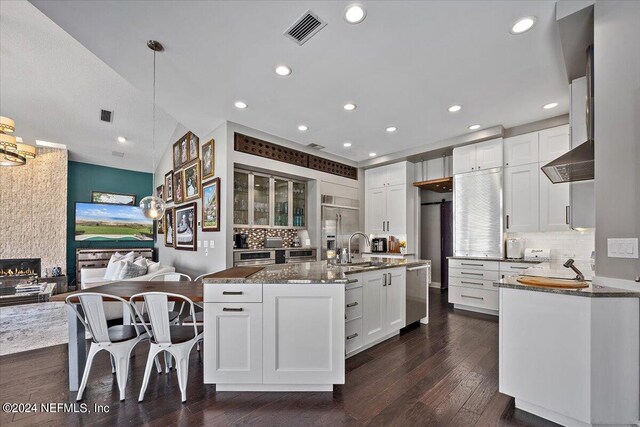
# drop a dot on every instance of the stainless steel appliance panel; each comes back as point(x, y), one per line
point(417, 284)
point(477, 212)
point(338, 223)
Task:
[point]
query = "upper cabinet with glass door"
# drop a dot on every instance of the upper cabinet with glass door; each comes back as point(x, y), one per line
point(267, 201)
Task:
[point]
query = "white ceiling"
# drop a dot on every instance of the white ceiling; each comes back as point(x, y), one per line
point(54, 88)
point(403, 66)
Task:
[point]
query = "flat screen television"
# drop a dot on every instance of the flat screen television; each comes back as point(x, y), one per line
point(100, 222)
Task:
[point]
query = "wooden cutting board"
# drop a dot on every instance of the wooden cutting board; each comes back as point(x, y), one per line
point(552, 283)
point(234, 273)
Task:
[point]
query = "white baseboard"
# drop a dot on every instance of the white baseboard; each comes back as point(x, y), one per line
point(274, 387)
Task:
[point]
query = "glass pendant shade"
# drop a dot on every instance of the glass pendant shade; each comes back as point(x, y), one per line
point(152, 207)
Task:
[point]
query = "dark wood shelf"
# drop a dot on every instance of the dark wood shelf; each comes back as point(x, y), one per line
point(440, 185)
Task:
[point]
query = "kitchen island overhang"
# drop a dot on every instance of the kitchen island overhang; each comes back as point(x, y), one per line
point(283, 328)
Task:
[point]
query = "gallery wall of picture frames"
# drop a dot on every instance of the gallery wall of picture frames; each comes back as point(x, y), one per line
point(184, 186)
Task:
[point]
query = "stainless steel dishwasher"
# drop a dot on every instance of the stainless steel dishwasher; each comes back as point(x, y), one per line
point(417, 294)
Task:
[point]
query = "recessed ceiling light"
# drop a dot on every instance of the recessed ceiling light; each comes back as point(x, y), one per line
point(241, 105)
point(350, 107)
point(372, 154)
point(122, 139)
point(391, 129)
point(347, 144)
point(474, 127)
point(550, 105)
point(283, 70)
point(455, 108)
point(50, 144)
point(355, 13)
point(523, 25)
point(302, 128)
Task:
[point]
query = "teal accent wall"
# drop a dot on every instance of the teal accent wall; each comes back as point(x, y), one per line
point(82, 179)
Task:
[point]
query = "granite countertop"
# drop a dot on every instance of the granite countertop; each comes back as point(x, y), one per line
point(484, 258)
point(592, 291)
point(274, 249)
point(396, 254)
point(318, 271)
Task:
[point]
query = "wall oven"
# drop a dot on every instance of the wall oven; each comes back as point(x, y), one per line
point(244, 259)
point(300, 255)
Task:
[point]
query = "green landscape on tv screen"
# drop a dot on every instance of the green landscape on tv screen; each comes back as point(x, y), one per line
point(104, 222)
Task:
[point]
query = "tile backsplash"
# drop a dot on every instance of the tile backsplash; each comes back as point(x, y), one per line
point(563, 244)
point(258, 235)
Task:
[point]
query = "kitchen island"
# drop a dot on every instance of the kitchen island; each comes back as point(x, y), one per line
point(571, 355)
point(289, 327)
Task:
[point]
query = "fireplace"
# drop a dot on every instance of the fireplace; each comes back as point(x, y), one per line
point(20, 267)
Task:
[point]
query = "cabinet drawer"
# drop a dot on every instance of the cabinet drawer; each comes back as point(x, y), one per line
point(353, 304)
point(464, 273)
point(480, 298)
point(474, 264)
point(510, 267)
point(357, 284)
point(353, 335)
point(233, 292)
point(473, 283)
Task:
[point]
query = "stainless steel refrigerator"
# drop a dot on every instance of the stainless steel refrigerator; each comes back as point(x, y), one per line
point(339, 219)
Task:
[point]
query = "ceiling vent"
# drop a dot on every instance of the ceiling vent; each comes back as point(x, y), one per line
point(305, 28)
point(316, 146)
point(106, 116)
point(117, 154)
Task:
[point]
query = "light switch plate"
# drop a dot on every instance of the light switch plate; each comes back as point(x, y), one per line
point(622, 248)
point(212, 244)
point(199, 243)
point(206, 243)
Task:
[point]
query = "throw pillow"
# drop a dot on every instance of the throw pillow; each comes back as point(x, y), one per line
point(113, 272)
point(112, 265)
point(131, 270)
point(153, 267)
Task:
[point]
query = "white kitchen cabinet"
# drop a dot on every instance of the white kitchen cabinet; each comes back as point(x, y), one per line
point(396, 299)
point(303, 352)
point(553, 143)
point(384, 304)
point(234, 335)
point(396, 209)
point(521, 149)
point(376, 212)
point(376, 177)
point(521, 198)
point(489, 154)
point(480, 156)
point(464, 159)
point(555, 204)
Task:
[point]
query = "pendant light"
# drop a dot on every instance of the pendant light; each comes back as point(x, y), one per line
point(152, 206)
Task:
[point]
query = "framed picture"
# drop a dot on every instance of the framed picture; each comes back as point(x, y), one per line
point(168, 227)
point(160, 225)
point(194, 146)
point(184, 150)
point(168, 187)
point(113, 198)
point(160, 191)
point(176, 155)
point(208, 159)
point(185, 221)
point(178, 191)
point(211, 205)
point(191, 181)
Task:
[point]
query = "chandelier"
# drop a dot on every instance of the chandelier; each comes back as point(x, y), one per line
point(12, 151)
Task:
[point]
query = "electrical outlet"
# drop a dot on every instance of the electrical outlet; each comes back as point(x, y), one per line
point(206, 243)
point(212, 244)
point(622, 248)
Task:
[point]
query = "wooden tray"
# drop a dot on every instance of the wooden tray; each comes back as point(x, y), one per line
point(549, 282)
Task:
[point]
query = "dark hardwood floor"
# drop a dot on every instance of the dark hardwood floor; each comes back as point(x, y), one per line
point(441, 374)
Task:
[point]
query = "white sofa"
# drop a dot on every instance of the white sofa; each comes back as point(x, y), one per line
point(92, 277)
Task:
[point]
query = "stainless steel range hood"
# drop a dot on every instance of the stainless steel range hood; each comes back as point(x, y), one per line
point(577, 164)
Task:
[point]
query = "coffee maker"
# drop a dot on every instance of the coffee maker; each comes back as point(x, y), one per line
point(240, 241)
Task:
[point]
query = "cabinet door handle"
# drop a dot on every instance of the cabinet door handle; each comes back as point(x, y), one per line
point(507, 221)
point(469, 296)
point(472, 274)
point(567, 215)
point(475, 265)
point(389, 279)
point(350, 337)
point(232, 309)
point(383, 226)
point(387, 225)
point(471, 283)
point(516, 268)
point(384, 276)
point(232, 292)
point(352, 304)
